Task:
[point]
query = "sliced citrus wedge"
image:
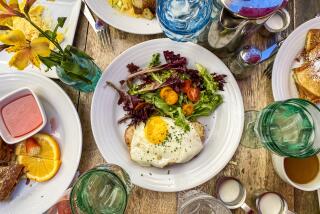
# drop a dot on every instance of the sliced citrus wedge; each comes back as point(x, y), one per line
point(49, 148)
point(39, 169)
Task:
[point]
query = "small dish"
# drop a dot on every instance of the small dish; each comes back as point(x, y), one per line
point(11, 97)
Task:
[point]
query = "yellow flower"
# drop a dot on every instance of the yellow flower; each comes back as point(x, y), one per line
point(25, 51)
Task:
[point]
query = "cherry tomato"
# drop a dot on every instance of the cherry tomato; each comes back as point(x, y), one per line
point(186, 86)
point(187, 109)
point(193, 94)
point(171, 98)
point(169, 95)
point(164, 92)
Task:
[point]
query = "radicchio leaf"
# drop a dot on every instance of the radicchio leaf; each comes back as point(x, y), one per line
point(220, 79)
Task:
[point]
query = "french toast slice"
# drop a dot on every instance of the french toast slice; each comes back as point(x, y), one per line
point(307, 82)
point(312, 40)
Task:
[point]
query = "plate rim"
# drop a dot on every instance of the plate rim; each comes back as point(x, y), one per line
point(79, 126)
point(102, 16)
point(233, 150)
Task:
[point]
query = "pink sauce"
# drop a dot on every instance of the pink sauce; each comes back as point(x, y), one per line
point(22, 116)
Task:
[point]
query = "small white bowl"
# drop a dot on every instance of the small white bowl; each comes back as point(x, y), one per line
point(4, 133)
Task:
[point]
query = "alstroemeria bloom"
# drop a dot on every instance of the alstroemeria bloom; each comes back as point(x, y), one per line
point(26, 52)
point(10, 9)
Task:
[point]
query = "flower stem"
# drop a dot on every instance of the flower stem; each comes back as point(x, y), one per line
point(43, 33)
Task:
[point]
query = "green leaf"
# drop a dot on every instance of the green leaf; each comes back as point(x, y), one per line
point(155, 60)
point(73, 50)
point(49, 34)
point(79, 78)
point(48, 62)
point(61, 21)
point(209, 82)
point(161, 77)
point(181, 121)
point(71, 67)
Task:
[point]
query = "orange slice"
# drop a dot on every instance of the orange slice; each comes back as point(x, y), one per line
point(39, 169)
point(49, 147)
point(44, 165)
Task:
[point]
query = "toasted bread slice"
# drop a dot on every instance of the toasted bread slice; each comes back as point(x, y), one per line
point(9, 177)
point(312, 40)
point(304, 94)
point(128, 135)
point(6, 152)
point(308, 85)
point(314, 53)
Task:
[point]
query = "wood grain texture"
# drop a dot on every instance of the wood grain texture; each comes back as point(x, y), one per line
point(252, 167)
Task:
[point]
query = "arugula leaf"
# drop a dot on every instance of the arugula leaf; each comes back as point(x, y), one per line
point(181, 121)
point(206, 105)
point(161, 77)
point(209, 83)
point(155, 60)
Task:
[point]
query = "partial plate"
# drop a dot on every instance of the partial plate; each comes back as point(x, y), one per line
point(64, 125)
point(123, 22)
point(53, 10)
point(223, 128)
point(283, 85)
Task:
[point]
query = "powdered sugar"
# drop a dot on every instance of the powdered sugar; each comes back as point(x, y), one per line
point(316, 70)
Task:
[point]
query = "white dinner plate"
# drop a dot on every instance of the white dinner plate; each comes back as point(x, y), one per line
point(121, 21)
point(223, 128)
point(283, 85)
point(64, 125)
point(53, 10)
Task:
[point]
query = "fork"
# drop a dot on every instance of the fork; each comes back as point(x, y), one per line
point(101, 29)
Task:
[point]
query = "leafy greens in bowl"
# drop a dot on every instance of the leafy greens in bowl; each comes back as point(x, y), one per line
point(170, 89)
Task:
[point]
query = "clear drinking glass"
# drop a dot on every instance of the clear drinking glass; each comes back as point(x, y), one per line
point(104, 189)
point(196, 202)
point(185, 20)
point(289, 128)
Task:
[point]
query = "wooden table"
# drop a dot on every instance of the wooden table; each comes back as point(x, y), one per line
point(252, 167)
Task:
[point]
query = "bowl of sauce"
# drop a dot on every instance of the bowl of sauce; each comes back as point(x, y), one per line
point(21, 115)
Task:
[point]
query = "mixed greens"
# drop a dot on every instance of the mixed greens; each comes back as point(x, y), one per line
point(171, 89)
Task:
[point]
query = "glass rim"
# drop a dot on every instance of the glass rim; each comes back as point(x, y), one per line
point(283, 200)
point(89, 172)
point(200, 196)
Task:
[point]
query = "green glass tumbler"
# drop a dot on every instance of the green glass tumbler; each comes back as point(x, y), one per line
point(290, 128)
point(104, 189)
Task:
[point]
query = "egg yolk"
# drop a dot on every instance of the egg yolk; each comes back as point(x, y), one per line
point(156, 130)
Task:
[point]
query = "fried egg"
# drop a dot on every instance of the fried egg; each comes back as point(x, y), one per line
point(159, 142)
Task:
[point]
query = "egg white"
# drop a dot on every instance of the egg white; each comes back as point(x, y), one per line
point(179, 147)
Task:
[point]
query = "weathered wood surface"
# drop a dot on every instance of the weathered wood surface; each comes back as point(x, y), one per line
point(252, 167)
